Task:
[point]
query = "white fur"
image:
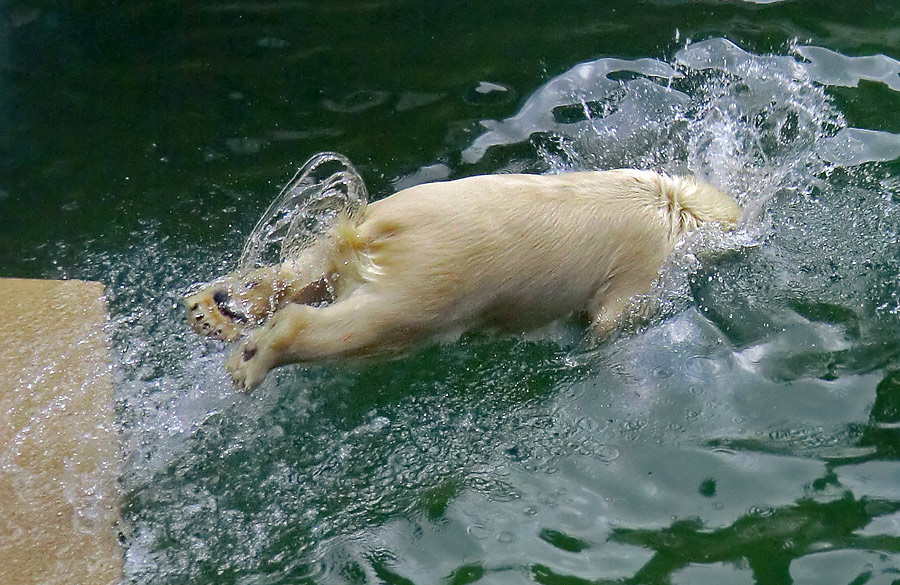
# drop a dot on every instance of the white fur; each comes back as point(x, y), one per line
point(515, 251)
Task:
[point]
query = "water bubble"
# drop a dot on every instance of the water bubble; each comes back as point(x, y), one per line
point(635, 424)
point(607, 453)
point(506, 537)
point(761, 511)
point(477, 531)
point(663, 372)
point(490, 93)
point(701, 368)
point(549, 500)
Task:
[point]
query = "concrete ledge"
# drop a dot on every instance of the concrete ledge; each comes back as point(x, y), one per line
point(59, 448)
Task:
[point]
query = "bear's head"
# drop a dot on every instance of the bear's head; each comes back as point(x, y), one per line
point(225, 308)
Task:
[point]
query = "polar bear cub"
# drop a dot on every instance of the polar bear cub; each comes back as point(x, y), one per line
point(435, 260)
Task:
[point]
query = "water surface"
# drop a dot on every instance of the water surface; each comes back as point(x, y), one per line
point(746, 433)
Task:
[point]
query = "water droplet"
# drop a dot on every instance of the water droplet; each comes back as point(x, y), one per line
point(607, 453)
point(663, 372)
point(490, 93)
point(477, 531)
point(506, 537)
point(762, 511)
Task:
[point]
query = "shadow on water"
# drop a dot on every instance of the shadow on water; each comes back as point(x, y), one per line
point(790, 330)
point(768, 542)
point(882, 432)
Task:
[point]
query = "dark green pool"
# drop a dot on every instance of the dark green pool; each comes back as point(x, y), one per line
point(749, 433)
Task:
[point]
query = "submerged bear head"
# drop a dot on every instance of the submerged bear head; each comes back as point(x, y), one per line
point(225, 308)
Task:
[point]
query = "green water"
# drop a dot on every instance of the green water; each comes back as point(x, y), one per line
point(749, 433)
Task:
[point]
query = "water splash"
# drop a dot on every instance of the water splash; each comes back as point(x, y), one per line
point(307, 479)
point(761, 127)
point(325, 188)
point(720, 112)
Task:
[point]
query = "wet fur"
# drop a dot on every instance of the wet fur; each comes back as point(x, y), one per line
point(432, 261)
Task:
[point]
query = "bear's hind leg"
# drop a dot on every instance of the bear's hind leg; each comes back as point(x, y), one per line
point(608, 306)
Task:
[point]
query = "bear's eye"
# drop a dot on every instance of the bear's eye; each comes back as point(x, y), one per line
point(251, 284)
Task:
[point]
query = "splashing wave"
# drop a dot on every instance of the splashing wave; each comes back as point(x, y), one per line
point(269, 489)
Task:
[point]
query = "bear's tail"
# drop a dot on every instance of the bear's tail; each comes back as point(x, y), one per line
point(349, 254)
point(689, 202)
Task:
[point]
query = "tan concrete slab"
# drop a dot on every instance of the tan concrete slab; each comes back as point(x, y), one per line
point(59, 447)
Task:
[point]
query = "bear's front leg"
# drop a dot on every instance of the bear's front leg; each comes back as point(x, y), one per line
point(361, 325)
point(261, 351)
